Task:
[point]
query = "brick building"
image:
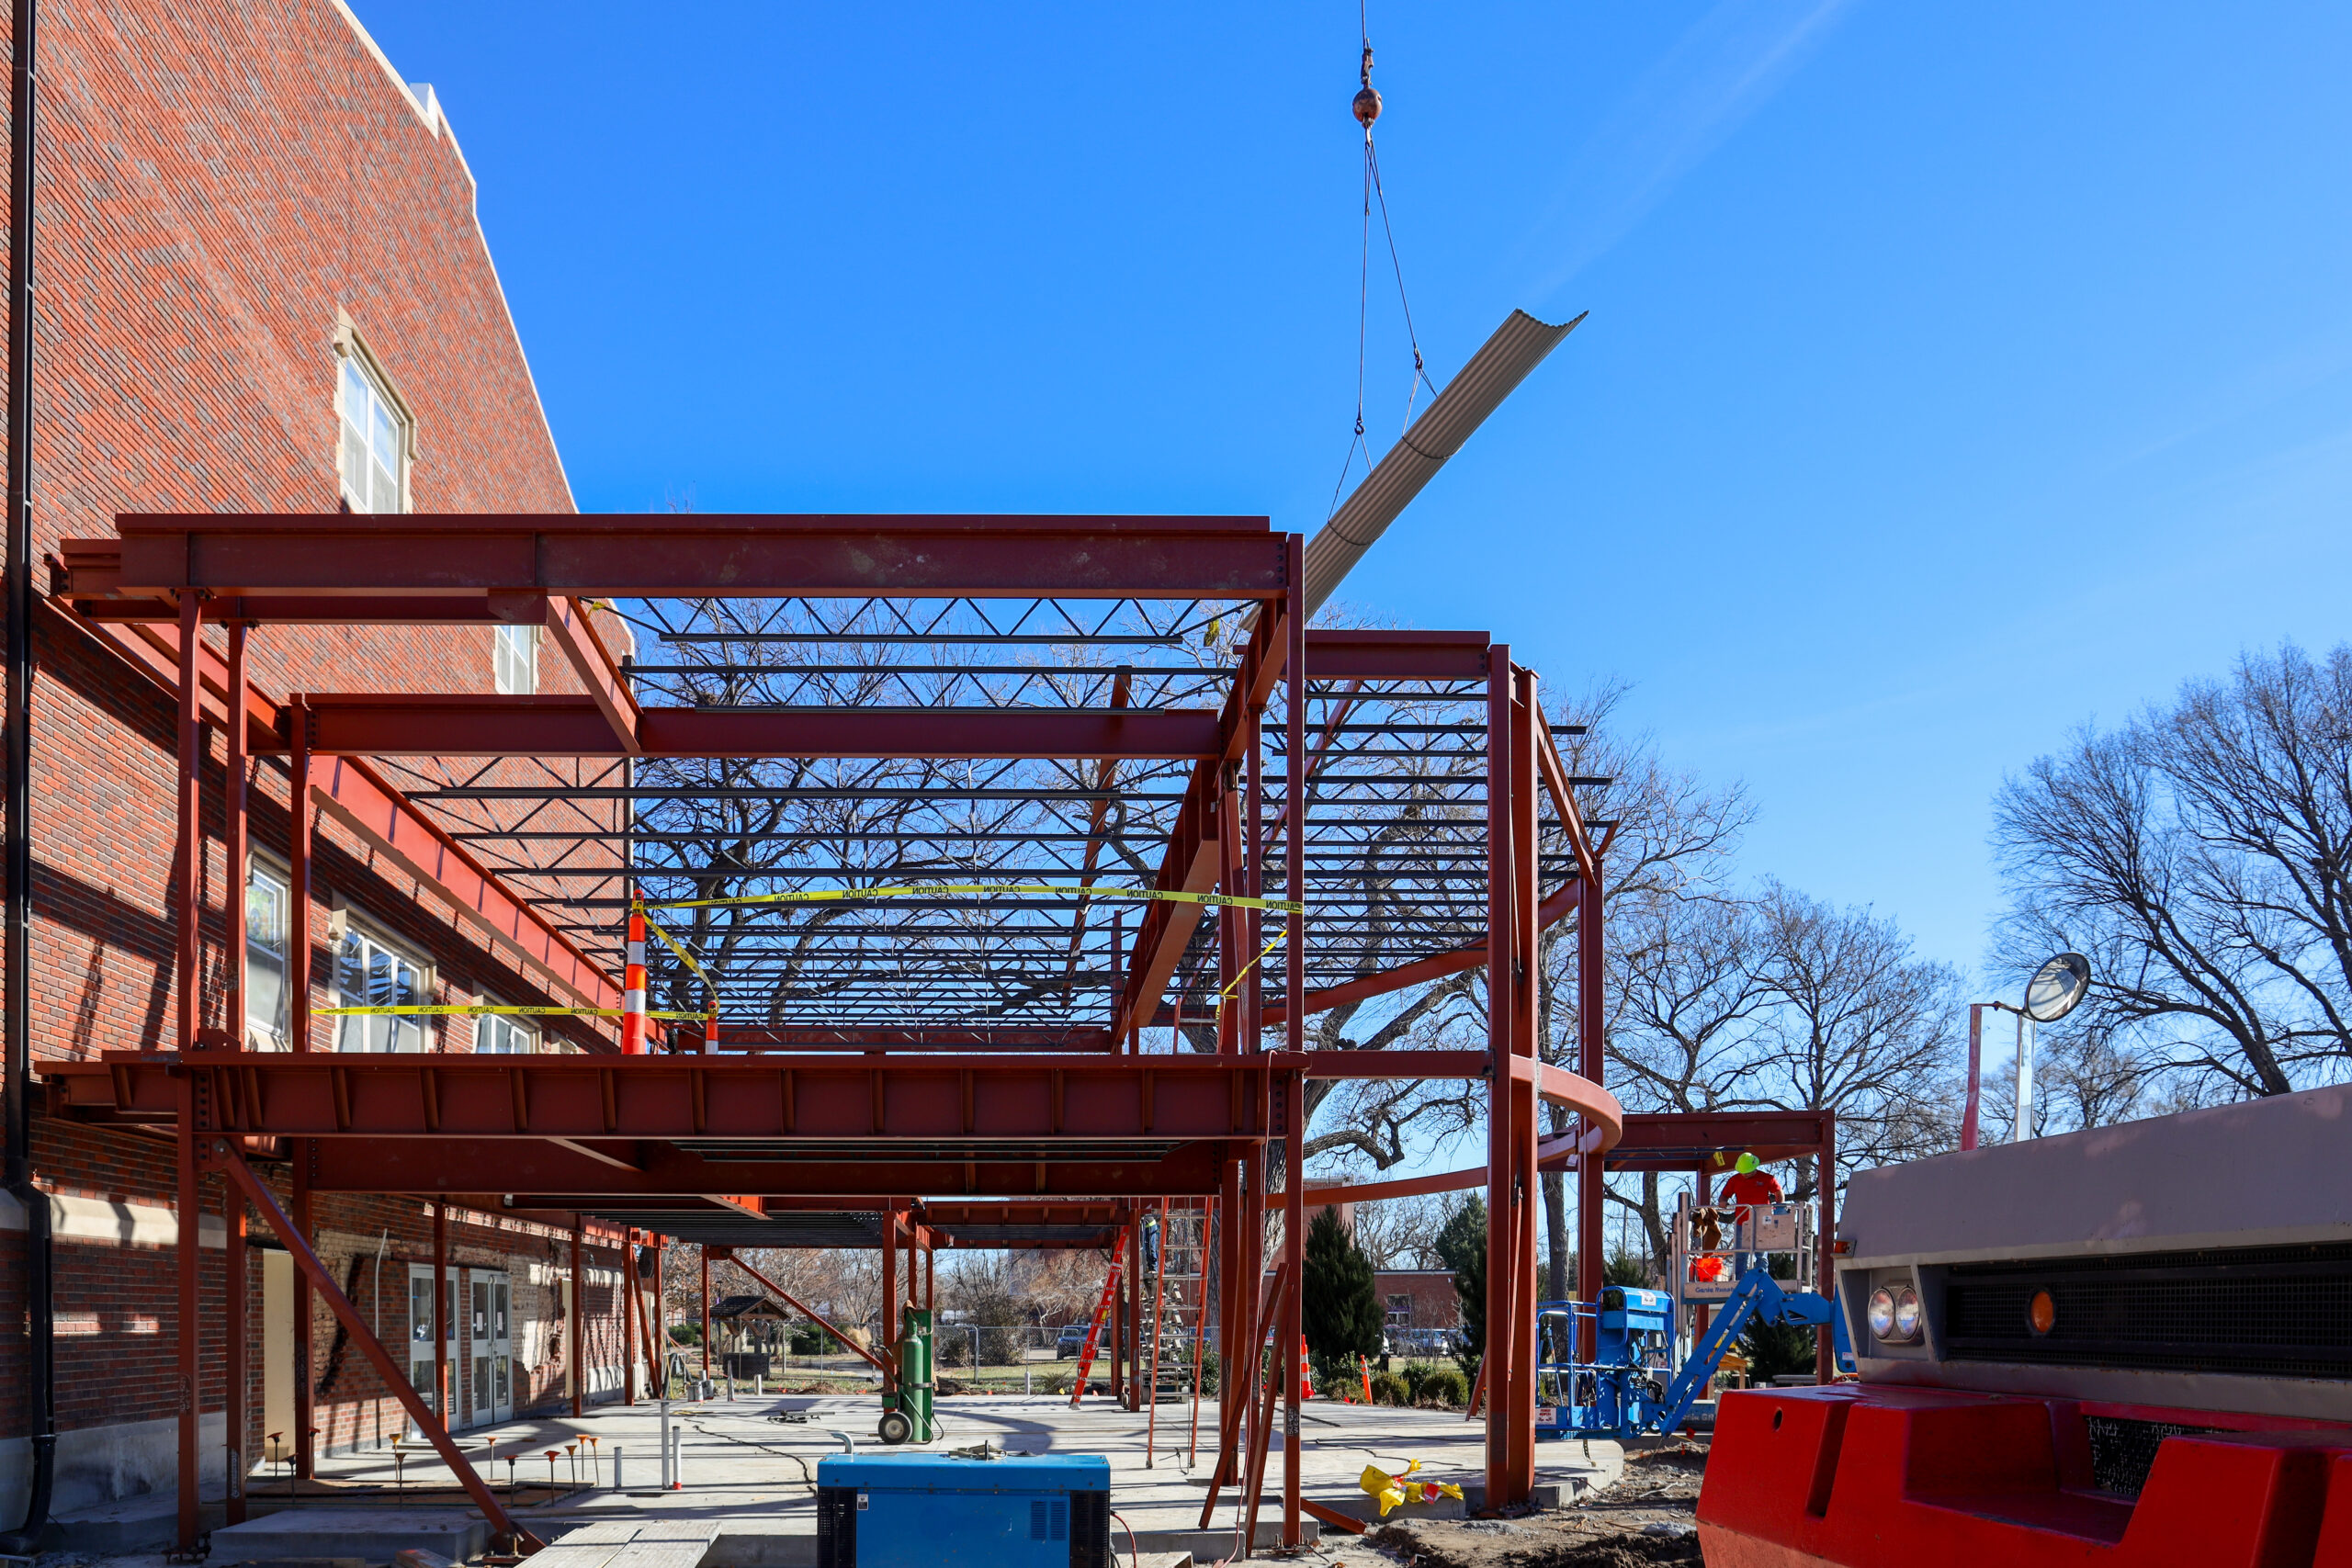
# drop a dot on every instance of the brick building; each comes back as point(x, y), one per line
point(1417, 1297)
point(262, 287)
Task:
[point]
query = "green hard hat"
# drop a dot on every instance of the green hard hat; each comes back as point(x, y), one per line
point(1747, 1163)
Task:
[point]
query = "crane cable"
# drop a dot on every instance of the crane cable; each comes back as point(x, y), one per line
point(1366, 109)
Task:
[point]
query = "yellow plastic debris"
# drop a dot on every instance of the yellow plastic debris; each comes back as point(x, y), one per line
point(1393, 1490)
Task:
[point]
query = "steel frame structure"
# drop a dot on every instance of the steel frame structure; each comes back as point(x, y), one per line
point(862, 737)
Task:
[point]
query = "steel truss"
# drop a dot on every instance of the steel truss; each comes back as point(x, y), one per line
point(835, 749)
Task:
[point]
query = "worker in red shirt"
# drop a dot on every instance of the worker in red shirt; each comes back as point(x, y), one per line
point(1752, 1185)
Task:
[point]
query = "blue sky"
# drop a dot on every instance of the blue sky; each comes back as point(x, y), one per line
point(1954, 375)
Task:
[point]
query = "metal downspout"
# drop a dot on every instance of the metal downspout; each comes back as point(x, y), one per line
point(15, 949)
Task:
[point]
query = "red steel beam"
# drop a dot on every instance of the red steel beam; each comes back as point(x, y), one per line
point(1060, 1099)
point(221, 1157)
point(545, 1176)
point(569, 628)
point(636, 556)
point(1395, 656)
point(390, 725)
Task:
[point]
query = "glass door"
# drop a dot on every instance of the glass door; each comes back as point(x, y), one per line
point(490, 1345)
point(419, 1331)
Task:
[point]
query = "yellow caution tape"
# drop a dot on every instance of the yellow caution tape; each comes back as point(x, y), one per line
point(683, 956)
point(1234, 984)
point(846, 894)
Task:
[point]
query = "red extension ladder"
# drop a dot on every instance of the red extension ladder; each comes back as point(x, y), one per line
point(1102, 1316)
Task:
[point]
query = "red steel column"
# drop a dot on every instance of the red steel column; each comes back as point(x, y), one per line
point(1253, 1255)
point(442, 1402)
point(1294, 1037)
point(1244, 1206)
point(232, 1294)
point(1825, 1361)
point(303, 814)
point(301, 818)
point(1525, 1181)
point(1591, 1172)
point(890, 1300)
point(578, 1348)
point(188, 978)
point(233, 877)
point(705, 1312)
point(187, 1250)
point(659, 1370)
point(1135, 1306)
point(305, 1222)
point(1502, 1224)
point(628, 1315)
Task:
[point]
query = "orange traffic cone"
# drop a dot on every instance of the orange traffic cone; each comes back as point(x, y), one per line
point(1306, 1372)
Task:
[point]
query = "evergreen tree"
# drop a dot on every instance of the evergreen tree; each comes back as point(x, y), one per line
point(1339, 1308)
point(1461, 1247)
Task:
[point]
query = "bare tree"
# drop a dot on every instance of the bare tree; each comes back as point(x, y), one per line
point(2201, 856)
point(1667, 851)
point(1668, 839)
point(1858, 1026)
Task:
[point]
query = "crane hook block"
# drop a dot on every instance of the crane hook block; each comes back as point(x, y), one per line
point(1367, 104)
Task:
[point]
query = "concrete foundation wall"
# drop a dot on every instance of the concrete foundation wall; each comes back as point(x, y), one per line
point(98, 1465)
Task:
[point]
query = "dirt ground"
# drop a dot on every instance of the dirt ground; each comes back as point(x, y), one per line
point(1648, 1518)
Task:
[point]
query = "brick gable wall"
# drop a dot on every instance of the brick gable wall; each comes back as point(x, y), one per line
point(220, 184)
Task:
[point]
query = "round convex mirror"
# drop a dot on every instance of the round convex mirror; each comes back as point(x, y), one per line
point(2057, 988)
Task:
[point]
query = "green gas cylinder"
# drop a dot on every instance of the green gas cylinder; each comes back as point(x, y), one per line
point(907, 1413)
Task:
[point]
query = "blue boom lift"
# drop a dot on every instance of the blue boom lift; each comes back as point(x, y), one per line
point(1633, 1384)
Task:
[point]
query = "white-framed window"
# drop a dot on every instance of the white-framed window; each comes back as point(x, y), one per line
point(514, 660)
point(501, 1033)
point(370, 971)
point(267, 900)
point(375, 435)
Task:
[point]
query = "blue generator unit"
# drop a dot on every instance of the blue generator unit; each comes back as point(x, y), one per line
point(919, 1510)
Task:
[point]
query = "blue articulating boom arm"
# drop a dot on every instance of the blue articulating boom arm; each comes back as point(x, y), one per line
point(1758, 1295)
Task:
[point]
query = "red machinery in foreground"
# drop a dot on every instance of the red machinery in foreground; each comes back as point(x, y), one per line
point(2130, 1346)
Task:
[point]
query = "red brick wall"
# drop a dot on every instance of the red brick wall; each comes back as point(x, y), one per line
point(1434, 1304)
point(217, 183)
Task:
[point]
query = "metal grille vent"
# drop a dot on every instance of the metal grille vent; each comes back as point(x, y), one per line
point(836, 1527)
point(2123, 1451)
point(1089, 1530)
point(2259, 1312)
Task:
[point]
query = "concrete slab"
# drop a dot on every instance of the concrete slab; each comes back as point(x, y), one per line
point(374, 1534)
point(748, 1498)
point(136, 1524)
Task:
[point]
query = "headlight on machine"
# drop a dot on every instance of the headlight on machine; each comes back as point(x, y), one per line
point(1906, 1314)
point(1894, 1314)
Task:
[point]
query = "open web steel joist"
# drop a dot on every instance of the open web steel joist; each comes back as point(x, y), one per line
point(986, 860)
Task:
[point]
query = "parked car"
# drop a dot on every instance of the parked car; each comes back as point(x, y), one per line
point(1071, 1340)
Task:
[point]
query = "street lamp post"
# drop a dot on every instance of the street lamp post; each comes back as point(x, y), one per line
point(2055, 990)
